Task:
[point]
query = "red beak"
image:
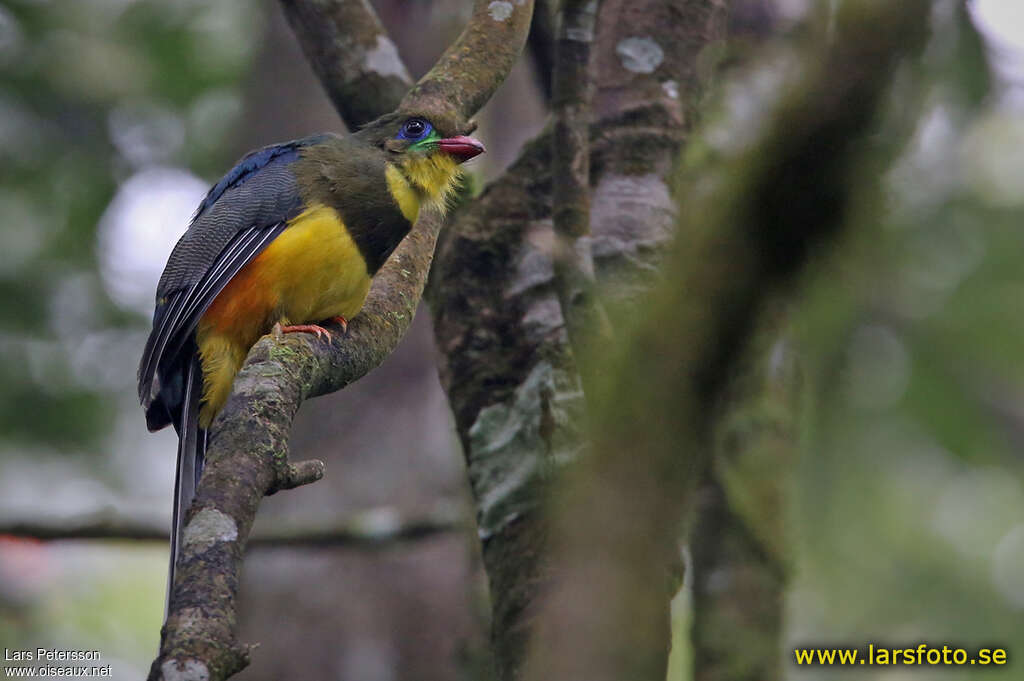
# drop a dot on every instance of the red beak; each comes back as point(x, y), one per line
point(462, 147)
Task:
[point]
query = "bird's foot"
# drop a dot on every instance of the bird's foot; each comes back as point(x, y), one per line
point(321, 332)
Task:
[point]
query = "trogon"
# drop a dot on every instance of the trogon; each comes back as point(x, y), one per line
point(289, 237)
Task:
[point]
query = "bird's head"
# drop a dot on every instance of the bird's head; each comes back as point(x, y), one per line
point(425, 154)
point(416, 138)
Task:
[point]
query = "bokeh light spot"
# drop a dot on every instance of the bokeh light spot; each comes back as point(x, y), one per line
point(148, 214)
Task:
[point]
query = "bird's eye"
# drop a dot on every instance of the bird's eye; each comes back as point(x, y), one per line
point(414, 129)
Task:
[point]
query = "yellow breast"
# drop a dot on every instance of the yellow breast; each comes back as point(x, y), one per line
point(316, 269)
point(311, 272)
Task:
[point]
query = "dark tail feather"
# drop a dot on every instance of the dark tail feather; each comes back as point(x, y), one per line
point(191, 452)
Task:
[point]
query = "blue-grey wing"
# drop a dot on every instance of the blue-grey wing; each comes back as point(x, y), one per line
point(239, 217)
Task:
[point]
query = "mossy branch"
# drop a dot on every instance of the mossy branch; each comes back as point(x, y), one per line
point(248, 452)
point(352, 55)
point(473, 67)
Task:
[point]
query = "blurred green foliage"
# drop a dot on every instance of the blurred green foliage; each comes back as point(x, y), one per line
point(92, 91)
point(908, 517)
point(85, 596)
point(910, 506)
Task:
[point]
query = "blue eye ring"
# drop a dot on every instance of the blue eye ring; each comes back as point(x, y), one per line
point(415, 129)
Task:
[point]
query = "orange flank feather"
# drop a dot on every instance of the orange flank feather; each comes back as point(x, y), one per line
point(312, 271)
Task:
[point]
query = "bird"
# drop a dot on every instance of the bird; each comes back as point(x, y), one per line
point(290, 237)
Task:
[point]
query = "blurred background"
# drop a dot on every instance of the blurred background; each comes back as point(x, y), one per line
point(116, 116)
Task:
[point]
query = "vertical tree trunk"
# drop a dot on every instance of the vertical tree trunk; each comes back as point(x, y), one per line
point(505, 360)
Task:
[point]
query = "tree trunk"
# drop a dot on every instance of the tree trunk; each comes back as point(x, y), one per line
point(505, 359)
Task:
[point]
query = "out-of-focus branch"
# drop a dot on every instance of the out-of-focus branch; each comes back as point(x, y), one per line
point(370, 527)
point(740, 544)
point(247, 458)
point(745, 231)
point(352, 55)
point(585, 318)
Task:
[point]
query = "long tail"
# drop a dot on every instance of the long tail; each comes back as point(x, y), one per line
point(191, 453)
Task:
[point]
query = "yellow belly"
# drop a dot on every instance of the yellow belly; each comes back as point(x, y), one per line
point(312, 271)
point(315, 269)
